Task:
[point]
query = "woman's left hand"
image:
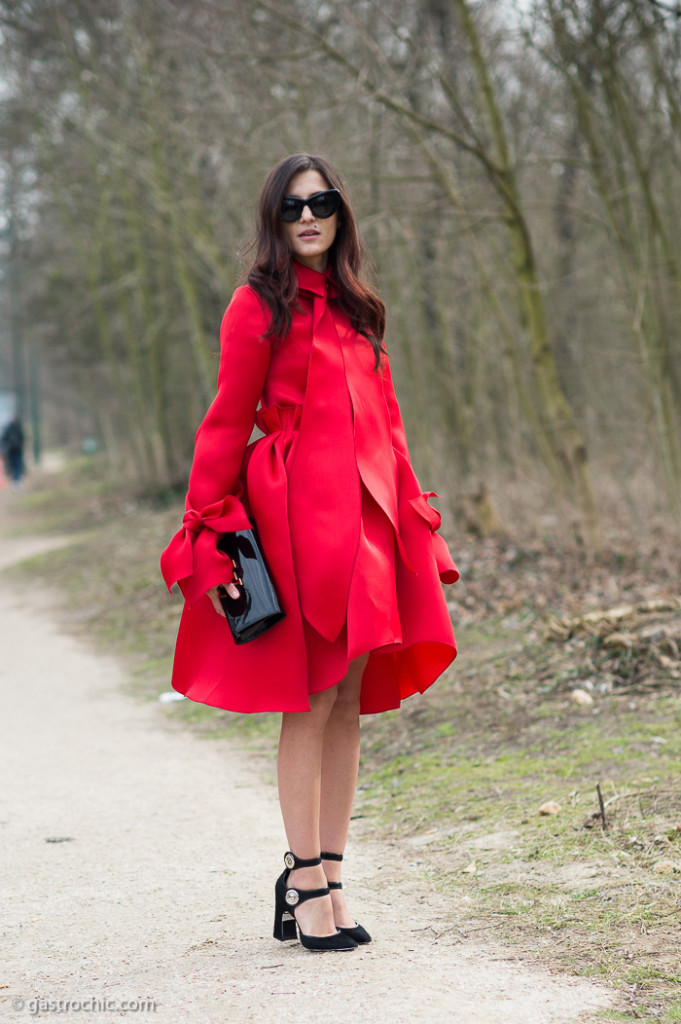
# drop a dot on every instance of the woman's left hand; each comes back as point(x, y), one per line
point(215, 597)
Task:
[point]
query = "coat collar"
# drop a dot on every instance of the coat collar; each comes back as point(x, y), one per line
point(313, 281)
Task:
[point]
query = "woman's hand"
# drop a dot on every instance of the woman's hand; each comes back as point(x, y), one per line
point(215, 597)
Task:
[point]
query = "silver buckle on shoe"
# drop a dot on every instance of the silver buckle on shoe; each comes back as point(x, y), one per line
point(292, 897)
point(289, 861)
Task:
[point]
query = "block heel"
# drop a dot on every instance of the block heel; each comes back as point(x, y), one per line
point(284, 921)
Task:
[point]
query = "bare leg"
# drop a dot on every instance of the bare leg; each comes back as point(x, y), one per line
point(340, 763)
point(299, 768)
point(317, 773)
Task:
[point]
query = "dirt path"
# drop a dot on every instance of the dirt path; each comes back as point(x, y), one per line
point(160, 884)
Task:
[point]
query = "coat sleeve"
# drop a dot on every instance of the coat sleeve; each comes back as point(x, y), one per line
point(213, 506)
point(396, 425)
point(412, 498)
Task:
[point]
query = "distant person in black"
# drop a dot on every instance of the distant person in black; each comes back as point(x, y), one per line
point(12, 448)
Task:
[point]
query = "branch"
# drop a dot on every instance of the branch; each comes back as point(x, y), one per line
point(378, 93)
point(604, 820)
point(676, 10)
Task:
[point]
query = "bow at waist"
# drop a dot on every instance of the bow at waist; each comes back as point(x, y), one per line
point(279, 418)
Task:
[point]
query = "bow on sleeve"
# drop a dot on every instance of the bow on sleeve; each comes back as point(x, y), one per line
point(213, 505)
point(192, 558)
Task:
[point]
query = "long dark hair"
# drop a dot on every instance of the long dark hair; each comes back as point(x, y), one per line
point(272, 274)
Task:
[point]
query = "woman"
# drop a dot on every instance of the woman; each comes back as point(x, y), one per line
point(349, 538)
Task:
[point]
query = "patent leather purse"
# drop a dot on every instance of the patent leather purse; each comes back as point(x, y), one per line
point(257, 607)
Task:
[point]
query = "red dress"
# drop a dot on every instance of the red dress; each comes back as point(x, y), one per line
point(349, 538)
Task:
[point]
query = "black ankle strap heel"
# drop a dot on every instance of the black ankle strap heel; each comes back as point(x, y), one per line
point(287, 898)
point(358, 933)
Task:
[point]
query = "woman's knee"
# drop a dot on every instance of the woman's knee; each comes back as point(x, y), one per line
point(349, 688)
point(323, 702)
point(343, 698)
point(353, 677)
point(321, 706)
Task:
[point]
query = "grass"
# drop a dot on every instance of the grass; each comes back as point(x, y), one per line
point(592, 899)
point(461, 772)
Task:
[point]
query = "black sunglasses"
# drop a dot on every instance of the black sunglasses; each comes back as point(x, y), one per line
point(321, 204)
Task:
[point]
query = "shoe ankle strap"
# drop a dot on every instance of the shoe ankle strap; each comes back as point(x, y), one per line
point(331, 856)
point(291, 861)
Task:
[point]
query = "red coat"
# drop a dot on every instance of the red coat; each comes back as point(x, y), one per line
point(349, 538)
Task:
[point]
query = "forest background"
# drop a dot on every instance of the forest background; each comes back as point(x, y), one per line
point(515, 167)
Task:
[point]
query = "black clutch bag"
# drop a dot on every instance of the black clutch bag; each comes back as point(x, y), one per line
point(257, 607)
